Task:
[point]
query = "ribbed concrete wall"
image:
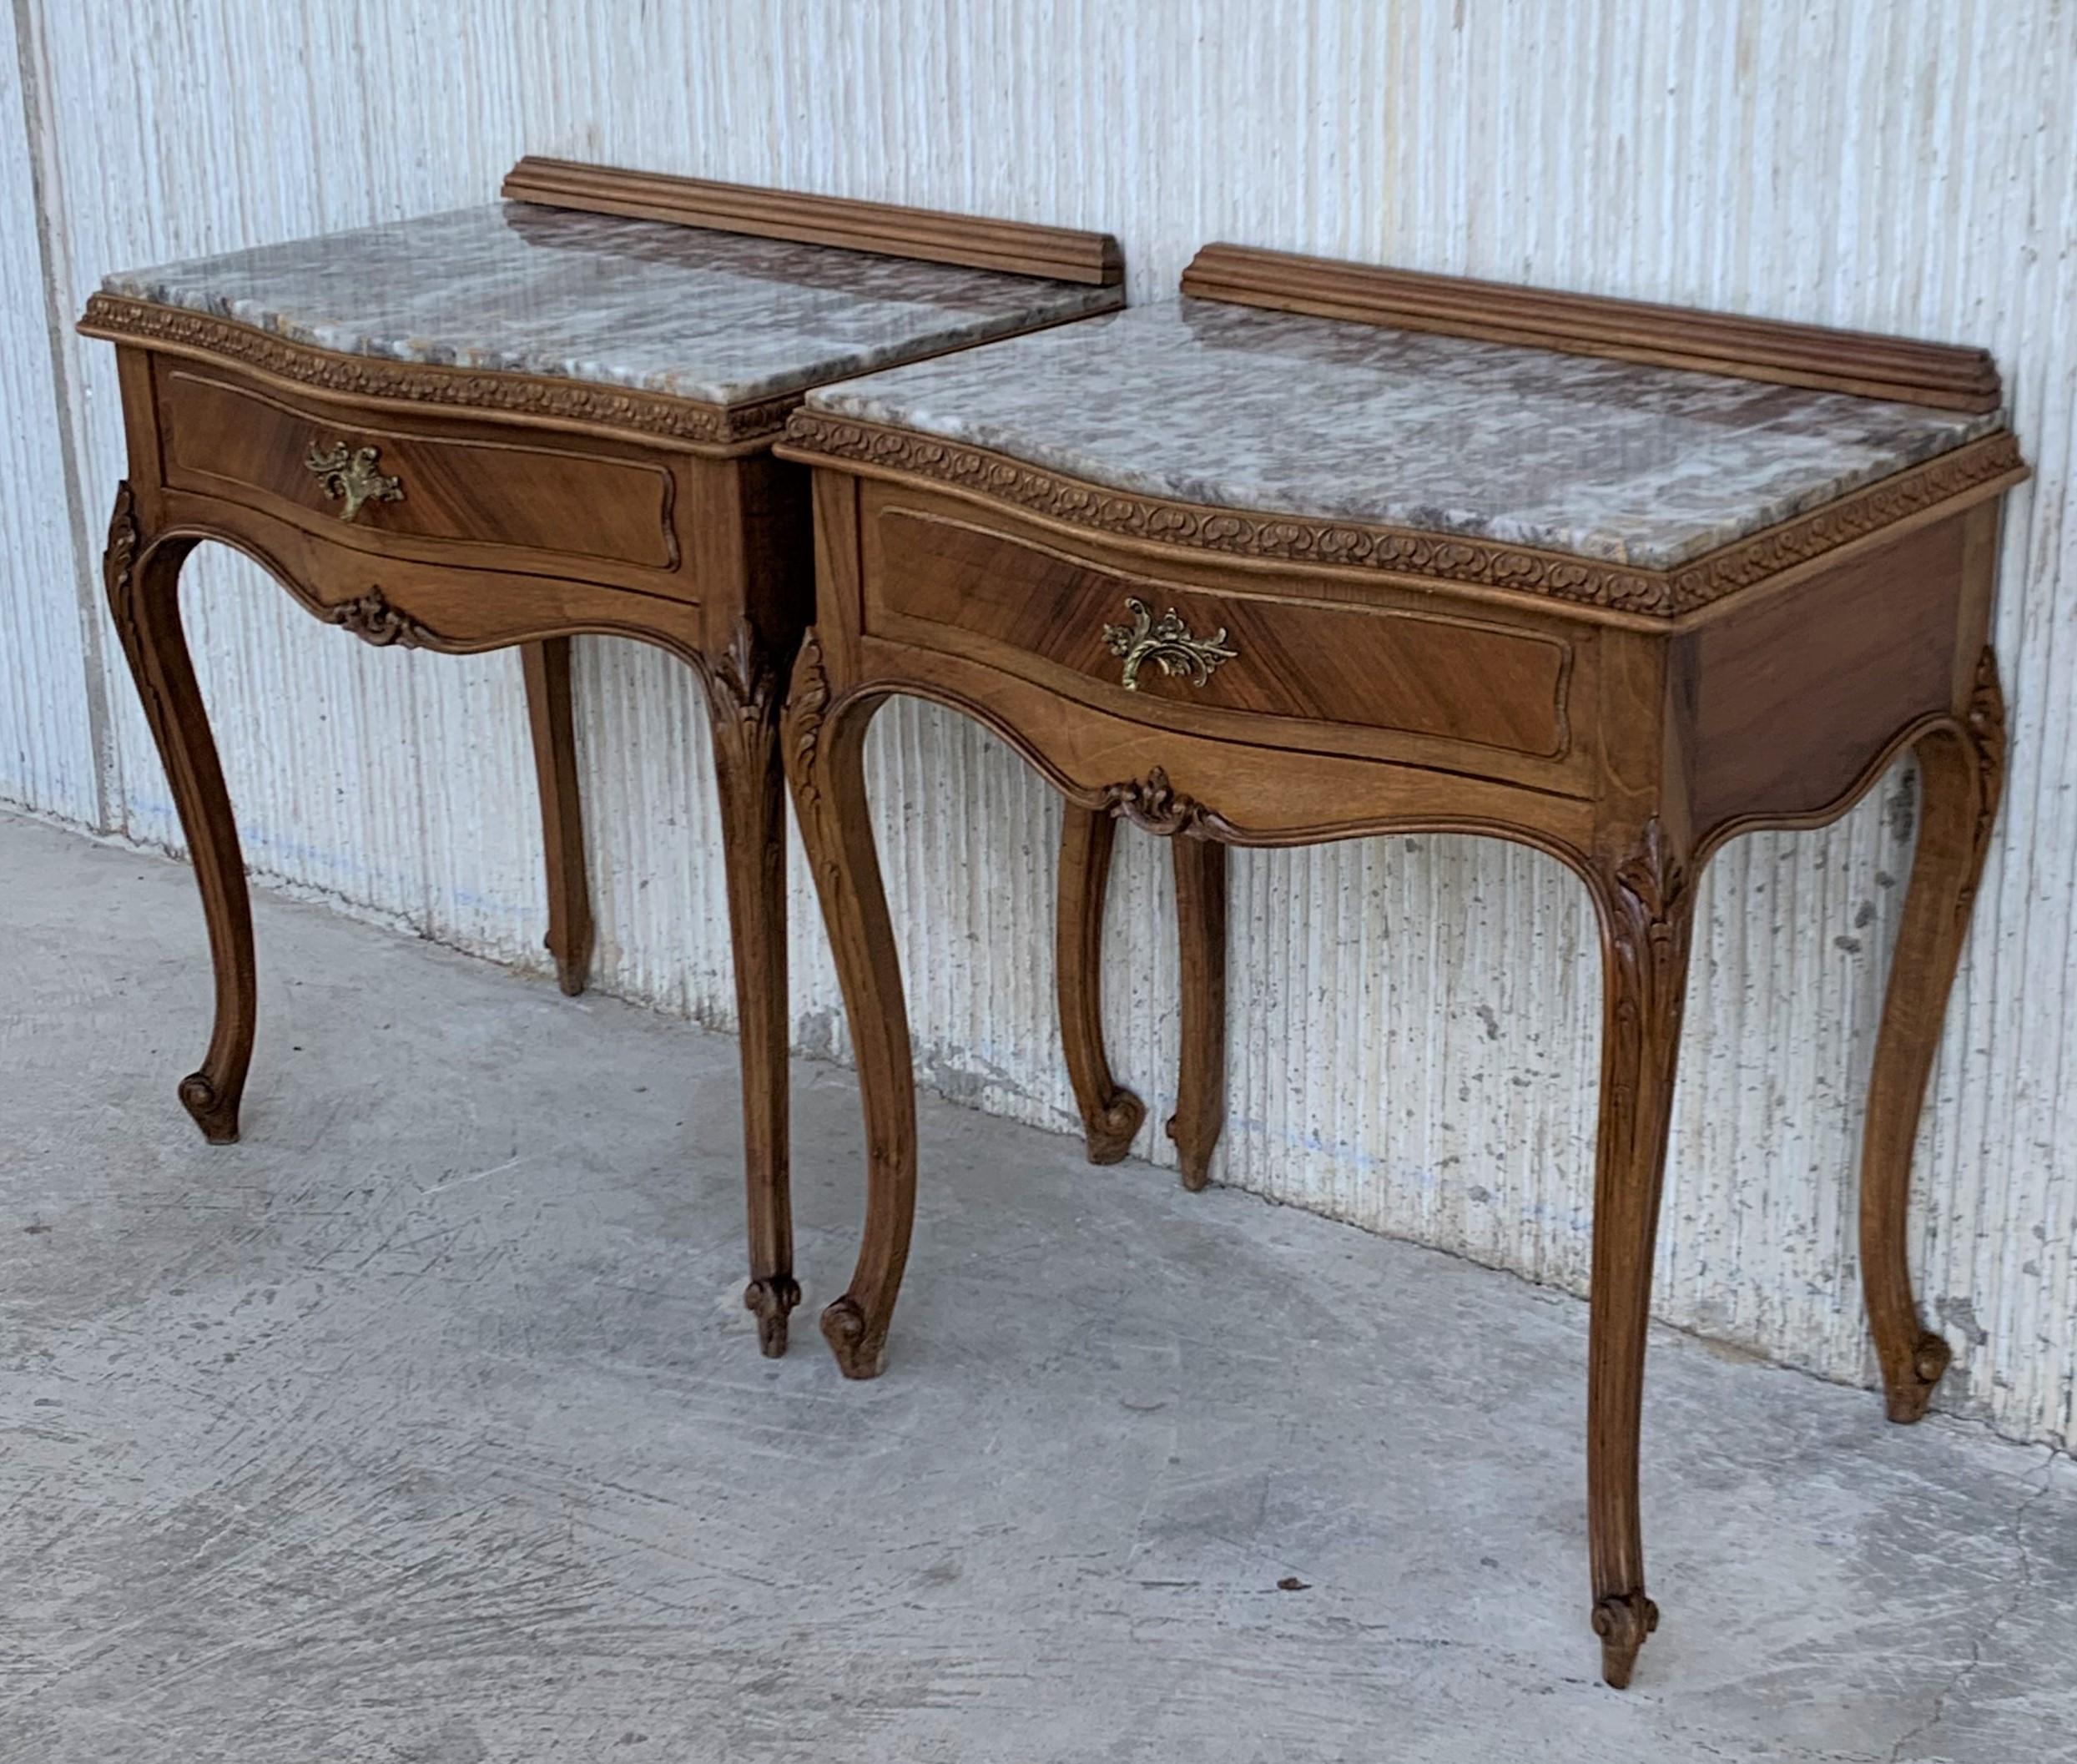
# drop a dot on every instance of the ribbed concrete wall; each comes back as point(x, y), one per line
point(1414, 1019)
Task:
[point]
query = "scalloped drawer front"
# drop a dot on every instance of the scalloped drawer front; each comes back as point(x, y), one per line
point(1457, 678)
point(557, 497)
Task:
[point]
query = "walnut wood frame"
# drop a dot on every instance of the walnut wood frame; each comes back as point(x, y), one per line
point(1773, 689)
point(929, 235)
point(677, 526)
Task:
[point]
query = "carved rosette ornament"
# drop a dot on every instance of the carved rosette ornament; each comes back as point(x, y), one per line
point(374, 620)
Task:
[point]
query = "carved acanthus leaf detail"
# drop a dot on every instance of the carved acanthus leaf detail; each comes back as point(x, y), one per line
point(1648, 938)
point(1987, 736)
point(801, 721)
point(118, 562)
point(374, 620)
point(120, 580)
point(1652, 878)
point(1987, 724)
point(741, 681)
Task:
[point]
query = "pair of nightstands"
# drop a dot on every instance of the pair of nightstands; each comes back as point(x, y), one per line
point(1318, 552)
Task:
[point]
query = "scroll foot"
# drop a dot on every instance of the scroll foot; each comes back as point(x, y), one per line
point(1109, 1131)
point(217, 1116)
point(1961, 775)
point(1908, 1396)
point(771, 1298)
point(858, 1355)
point(1622, 1620)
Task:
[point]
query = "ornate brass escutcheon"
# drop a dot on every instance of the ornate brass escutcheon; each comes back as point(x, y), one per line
point(348, 473)
point(1166, 642)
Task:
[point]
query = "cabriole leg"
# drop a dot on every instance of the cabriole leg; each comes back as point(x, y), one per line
point(743, 705)
point(825, 764)
point(143, 582)
point(1961, 772)
point(1645, 908)
point(546, 666)
point(1200, 867)
point(1111, 1115)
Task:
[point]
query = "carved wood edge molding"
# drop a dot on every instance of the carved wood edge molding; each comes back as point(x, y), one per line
point(813, 436)
point(180, 329)
point(1861, 363)
point(929, 235)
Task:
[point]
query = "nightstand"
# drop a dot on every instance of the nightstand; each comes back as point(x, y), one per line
point(513, 423)
point(1323, 551)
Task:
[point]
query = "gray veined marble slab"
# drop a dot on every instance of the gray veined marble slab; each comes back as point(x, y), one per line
point(1205, 402)
point(681, 310)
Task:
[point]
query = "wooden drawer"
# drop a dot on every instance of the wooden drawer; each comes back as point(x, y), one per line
point(1454, 677)
point(565, 501)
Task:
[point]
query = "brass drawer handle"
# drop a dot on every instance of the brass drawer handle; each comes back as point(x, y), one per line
point(348, 472)
point(1166, 642)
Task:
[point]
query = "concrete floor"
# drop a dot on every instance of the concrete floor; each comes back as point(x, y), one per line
point(426, 1425)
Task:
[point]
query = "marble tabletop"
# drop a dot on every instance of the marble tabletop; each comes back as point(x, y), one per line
point(704, 315)
point(1205, 402)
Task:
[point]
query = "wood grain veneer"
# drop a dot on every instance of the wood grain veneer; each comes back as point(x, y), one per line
point(1461, 679)
point(562, 502)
